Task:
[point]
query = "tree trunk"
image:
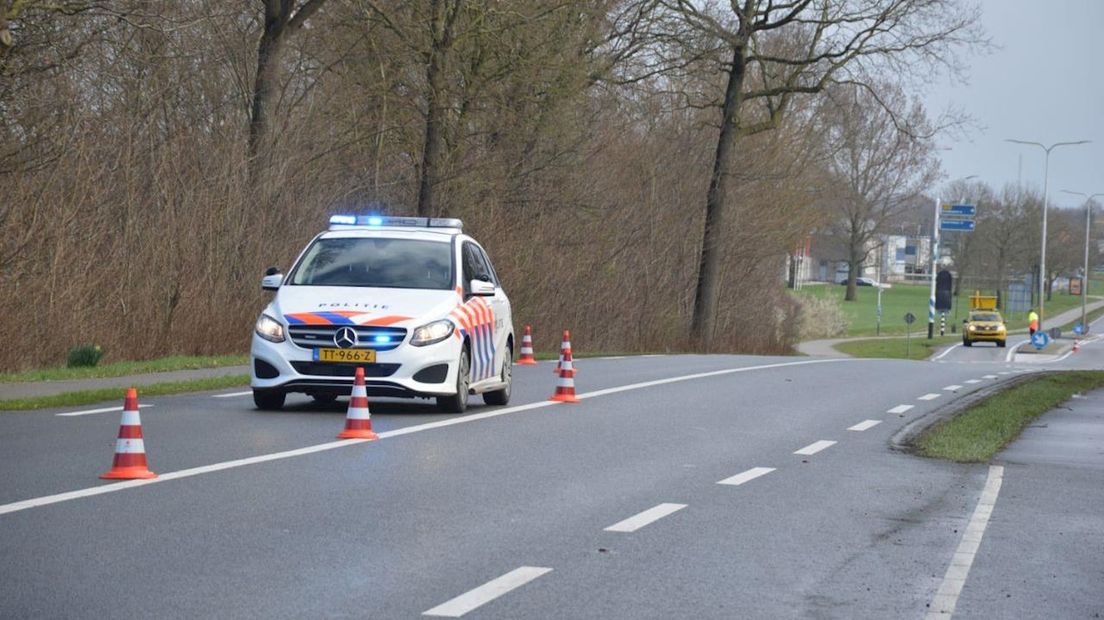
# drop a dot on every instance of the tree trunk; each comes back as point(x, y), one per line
point(264, 86)
point(853, 263)
point(431, 147)
point(703, 323)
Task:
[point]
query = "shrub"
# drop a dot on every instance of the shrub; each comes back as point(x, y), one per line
point(86, 355)
point(821, 317)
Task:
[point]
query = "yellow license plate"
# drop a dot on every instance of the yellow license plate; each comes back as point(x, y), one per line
point(356, 356)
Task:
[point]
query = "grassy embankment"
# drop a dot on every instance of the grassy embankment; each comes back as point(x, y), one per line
point(978, 433)
point(122, 369)
point(88, 397)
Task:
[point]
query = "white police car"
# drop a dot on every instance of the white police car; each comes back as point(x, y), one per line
point(413, 301)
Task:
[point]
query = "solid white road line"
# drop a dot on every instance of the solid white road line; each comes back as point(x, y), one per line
point(747, 476)
point(91, 411)
point(650, 515)
point(949, 349)
point(864, 425)
point(1004, 373)
point(815, 447)
point(971, 381)
point(931, 396)
point(233, 394)
point(900, 409)
point(943, 604)
point(989, 377)
point(487, 592)
point(953, 388)
point(275, 456)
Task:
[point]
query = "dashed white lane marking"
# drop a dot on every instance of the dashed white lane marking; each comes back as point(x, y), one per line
point(747, 476)
point(1004, 373)
point(408, 430)
point(92, 411)
point(815, 447)
point(487, 592)
point(972, 381)
point(989, 377)
point(931, 396)
point(953, 388)
point(943, 604)
point(650, 515)
point(900, 409)
point(233, 394)
point(864, 425)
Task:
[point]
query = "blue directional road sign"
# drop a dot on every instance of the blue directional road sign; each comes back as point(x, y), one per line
point(967, 210)
point(966, 225)
point(1040, 340)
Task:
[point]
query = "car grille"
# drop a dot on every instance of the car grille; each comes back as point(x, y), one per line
point(343, 370)
point(318, 336)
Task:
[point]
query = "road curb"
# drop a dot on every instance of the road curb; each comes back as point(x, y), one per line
point(904, 439)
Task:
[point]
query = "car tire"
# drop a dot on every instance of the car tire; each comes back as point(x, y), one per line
point(458, 403)
point(1001, 343)
point(967, 343)
point(269, 400)
point(502, 397)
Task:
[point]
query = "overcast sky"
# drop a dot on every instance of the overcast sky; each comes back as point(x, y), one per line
point(1043, 83)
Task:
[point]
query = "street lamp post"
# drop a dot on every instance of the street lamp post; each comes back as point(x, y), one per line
point(1085, 274)
point(1043, 279)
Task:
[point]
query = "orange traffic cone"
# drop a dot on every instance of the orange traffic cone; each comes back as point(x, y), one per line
point(565, 345)
point(130, 450)
point(565, 385)
point(526, 358)
point(358, 420)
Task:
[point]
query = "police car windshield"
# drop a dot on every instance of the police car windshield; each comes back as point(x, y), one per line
point(376, 262)
point(986, 316)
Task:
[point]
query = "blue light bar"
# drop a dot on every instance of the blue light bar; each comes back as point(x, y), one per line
point(396, 222)
point(382, 339)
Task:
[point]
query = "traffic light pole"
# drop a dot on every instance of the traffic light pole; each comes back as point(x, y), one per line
point(935, 258)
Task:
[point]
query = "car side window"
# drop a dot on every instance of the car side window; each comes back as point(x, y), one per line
point(489, 271)
point(470, 268)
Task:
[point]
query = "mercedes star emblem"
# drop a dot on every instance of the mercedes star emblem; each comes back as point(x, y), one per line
point(345, 338)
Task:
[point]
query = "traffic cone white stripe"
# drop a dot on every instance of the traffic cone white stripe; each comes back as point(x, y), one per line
point(131, 418)
point(130, 446)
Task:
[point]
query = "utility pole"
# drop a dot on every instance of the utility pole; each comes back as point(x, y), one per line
point(1043, 277)
point(1085, 274)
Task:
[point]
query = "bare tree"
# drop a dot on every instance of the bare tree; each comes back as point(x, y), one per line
point(774, 52)
point(881, 162)
point(282, 19)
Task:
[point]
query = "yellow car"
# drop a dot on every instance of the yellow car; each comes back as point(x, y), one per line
point(984, 326)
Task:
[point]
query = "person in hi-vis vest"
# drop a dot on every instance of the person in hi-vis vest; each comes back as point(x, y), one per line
point(1032, 322)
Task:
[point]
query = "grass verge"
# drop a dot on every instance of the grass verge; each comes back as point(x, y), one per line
point(978, 433)
point(88, 397)
point(122, 369)
point(896, 348)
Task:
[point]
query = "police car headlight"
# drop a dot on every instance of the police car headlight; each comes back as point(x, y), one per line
point(270, 329)
point(432, 333)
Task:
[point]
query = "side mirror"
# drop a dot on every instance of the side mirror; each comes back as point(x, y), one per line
point(482, 288)
point(272, 279)
point(965, 321)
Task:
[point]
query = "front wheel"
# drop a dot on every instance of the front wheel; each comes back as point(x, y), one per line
point(502, 396)
point(966, 343)
point(1000, 343)
point(269, 400)
point(458, 403)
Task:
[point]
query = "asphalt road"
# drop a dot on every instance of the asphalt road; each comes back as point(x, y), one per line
point(610, 508)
